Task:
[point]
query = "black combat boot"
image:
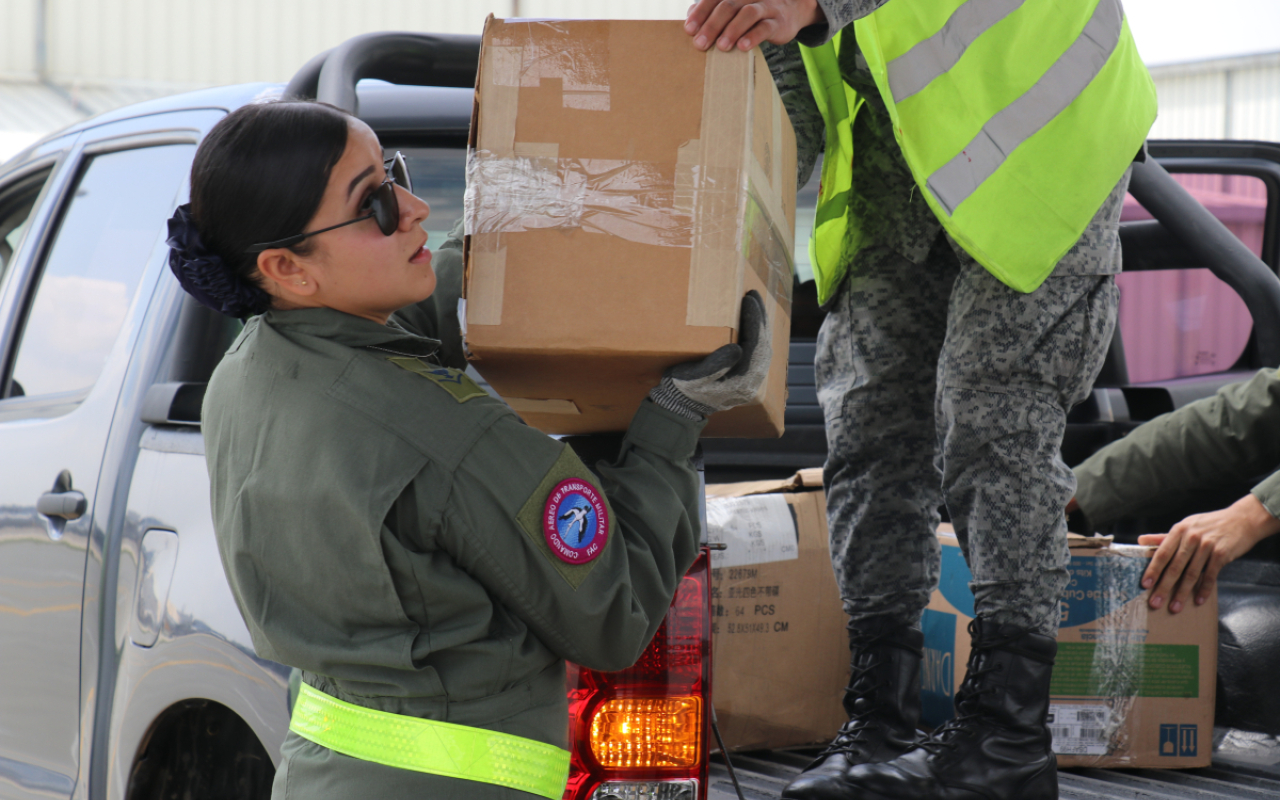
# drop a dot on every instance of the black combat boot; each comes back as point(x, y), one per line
point(997, 747)
point(883, 702)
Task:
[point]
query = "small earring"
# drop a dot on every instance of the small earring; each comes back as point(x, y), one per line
point(304, 283)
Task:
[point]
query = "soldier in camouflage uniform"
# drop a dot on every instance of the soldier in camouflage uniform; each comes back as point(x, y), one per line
point(939, 384)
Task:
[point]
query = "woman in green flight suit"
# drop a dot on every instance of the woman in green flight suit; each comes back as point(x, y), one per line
point(387, 527)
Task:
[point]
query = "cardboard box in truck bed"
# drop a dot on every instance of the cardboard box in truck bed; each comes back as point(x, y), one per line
point(780, 649)
point(1131, 687)
point(624, 192)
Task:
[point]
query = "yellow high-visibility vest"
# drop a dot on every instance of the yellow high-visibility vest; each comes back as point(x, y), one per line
point(1016, 118)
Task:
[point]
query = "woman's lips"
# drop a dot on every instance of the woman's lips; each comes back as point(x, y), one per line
point(422, 256)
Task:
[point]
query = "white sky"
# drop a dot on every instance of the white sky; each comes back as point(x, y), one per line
point(1170, 31)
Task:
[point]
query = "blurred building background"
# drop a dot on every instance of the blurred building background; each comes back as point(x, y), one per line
point(1226, 98)
point(64, 60)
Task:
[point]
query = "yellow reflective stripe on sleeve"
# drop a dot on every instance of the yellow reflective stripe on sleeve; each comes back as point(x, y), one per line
point(430, 746)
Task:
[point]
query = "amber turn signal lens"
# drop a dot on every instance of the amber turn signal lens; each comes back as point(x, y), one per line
point(647, 732)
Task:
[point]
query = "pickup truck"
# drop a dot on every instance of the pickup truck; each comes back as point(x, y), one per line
point(126, 671)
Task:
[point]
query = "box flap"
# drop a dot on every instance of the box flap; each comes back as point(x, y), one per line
point(804, 480)
point(810, 478)
point(1096, 542)
point(1074, 540)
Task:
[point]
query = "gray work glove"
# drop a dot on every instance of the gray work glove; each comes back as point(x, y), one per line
point(729, 377)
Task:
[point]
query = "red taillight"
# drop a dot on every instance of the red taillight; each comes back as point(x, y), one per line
point(642, 732)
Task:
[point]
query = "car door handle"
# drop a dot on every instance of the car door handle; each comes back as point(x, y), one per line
point(67, 505)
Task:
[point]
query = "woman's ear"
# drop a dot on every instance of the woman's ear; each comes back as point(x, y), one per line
point(285, 275)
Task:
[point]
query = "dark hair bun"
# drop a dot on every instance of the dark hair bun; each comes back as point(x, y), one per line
point(205, 276)
point(259, 175)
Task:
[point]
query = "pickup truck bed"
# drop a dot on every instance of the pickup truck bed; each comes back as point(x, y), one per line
point(763, 774)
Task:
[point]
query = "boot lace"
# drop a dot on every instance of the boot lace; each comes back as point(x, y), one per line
point(969, 695)
point(862, 687)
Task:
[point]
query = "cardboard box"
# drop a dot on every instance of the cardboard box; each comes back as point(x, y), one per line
point(1131, 687)
point(624, 192)
point(780, 651)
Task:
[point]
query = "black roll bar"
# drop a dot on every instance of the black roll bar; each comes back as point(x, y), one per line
point(302, 86)
point(1200, 232)
point(415, 59)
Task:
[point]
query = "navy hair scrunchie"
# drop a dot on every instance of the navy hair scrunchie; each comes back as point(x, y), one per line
point(205, 276)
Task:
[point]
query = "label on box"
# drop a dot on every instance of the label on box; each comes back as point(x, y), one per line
point(938, 667)
point(755, 530)
point(1079, 730)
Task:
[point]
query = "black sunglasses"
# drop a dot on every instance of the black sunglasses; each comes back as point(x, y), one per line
point(382, 204)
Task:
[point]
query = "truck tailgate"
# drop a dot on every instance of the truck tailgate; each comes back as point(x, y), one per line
point(763, 774)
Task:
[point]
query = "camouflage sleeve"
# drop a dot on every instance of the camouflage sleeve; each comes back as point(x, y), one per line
point(839, 13)
point(787, 69)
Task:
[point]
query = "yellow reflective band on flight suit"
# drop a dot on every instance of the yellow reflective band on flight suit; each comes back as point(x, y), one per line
point(1016, 118)
point(426, 745)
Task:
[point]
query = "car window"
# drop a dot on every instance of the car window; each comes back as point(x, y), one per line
point(115, 215)
point(16, 203)
point(439, 177)
point(1178, 323)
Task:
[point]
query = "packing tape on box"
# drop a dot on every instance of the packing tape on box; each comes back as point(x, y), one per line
point(637, 201)
point(577, 57)
point(1113, 667)
point(633, 200)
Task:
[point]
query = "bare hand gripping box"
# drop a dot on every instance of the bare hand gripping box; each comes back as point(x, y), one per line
point(624, 191)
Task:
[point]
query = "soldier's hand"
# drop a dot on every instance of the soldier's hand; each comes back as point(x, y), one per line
point(728, 377)
point(1194, 551)
point(744, 24)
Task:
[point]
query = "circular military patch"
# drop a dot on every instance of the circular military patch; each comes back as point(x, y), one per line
point(575, 521)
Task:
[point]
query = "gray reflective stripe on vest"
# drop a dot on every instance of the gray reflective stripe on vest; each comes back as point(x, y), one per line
point(960, 177)
point(916, 68)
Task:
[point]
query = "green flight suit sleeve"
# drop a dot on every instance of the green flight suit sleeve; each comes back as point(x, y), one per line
point(787, 68)
point(601, 613)
point(437, 316)
point(1232, 436)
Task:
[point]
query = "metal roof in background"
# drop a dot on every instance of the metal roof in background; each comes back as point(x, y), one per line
point(1219, 98)
point(30, 110)
point(1251, 61)
point(43, 108)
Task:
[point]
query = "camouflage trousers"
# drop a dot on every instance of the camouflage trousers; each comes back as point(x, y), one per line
point(941, 384)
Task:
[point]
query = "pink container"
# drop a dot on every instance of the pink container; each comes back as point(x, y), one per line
point(1184, 322)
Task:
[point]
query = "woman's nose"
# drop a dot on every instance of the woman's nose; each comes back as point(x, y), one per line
point(413, 209)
